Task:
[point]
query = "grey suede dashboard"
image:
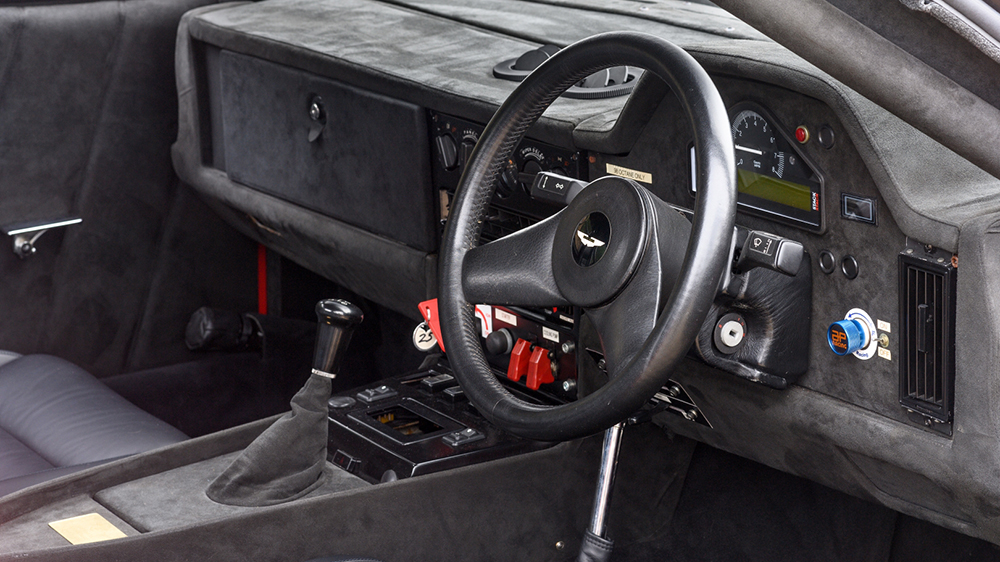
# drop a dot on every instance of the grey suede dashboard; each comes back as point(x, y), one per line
point(427, 58)
point(439, 54)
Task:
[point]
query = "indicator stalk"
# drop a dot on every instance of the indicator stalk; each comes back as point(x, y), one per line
point(762, 249)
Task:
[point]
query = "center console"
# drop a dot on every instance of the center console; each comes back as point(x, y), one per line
point(416, 424)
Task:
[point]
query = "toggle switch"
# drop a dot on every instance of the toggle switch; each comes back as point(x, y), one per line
point(539, 369)
point(519, 357)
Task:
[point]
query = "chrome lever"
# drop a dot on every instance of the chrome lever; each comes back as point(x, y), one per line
point(596, 546)
point(25, 234)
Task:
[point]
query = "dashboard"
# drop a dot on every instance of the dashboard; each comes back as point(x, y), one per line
point(357, 144)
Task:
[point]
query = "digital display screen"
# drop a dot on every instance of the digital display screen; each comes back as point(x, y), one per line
point(793, 202)
point(776, 190)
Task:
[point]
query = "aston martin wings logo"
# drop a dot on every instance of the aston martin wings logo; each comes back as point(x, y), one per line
point(588, 240)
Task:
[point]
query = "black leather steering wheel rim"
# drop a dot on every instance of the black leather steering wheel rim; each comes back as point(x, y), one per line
point(706, 256)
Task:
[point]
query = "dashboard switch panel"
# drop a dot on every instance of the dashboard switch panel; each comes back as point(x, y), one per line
point(514, 188)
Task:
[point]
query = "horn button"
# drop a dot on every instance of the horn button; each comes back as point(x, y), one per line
point(600, 240)
point(593, 235)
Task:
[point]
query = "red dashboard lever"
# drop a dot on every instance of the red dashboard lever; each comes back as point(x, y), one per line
point(539, 369)
point(519, 358)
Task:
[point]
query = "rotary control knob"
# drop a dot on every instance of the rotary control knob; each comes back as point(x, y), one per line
point(447, 151)
point(847, 336)
point(465, 149)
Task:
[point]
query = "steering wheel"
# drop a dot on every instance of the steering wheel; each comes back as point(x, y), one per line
point(641, 272)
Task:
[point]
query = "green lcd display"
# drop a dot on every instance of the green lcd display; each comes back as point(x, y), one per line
point(775, 190)
point(776, 198)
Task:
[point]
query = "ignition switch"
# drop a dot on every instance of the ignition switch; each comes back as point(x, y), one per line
point(730, 333)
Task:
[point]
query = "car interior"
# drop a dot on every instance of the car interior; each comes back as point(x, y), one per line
point(406, 280)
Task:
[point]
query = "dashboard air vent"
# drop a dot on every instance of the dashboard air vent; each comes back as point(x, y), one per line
point(607, 83)
point(927, 338)
point(501, 222)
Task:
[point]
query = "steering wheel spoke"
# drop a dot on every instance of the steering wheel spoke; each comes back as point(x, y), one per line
point(515, 270)
point(625, 323)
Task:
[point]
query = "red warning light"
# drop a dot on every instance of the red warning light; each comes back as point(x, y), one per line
point(801, 134)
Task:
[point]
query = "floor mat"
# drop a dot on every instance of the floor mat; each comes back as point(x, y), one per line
point(734, 509)
point(920, 541)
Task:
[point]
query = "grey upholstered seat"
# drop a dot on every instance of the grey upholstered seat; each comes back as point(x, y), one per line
point(56, 418)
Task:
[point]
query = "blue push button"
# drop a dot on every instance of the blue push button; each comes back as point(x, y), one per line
point(846, 336)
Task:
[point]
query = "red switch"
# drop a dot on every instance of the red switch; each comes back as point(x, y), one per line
point(539, 369)
point(519, 357)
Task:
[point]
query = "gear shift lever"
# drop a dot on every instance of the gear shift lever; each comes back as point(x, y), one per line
point(337, 320)
point(288, 460)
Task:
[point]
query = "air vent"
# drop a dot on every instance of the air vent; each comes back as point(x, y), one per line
point(927, 340)
point(501, 222)
point(607, 83)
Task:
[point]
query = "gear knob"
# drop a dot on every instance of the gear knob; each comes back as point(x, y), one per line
point(337, 320)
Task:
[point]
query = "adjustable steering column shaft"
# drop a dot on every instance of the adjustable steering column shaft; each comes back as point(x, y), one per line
point(596, 546)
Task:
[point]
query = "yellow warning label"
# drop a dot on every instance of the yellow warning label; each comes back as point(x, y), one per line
point(630, 174)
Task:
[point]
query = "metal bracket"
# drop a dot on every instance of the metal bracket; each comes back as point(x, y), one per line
point(25, 234)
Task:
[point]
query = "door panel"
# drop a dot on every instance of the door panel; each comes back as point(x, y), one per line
point(87, 116)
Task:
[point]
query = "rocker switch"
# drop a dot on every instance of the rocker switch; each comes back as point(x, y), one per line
point(467, 435)
point(371, 395)
point(438, 383)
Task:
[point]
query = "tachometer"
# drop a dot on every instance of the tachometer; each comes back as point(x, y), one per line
point(756, 144)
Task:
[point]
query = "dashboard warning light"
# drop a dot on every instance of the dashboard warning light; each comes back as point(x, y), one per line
point(801, 134)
